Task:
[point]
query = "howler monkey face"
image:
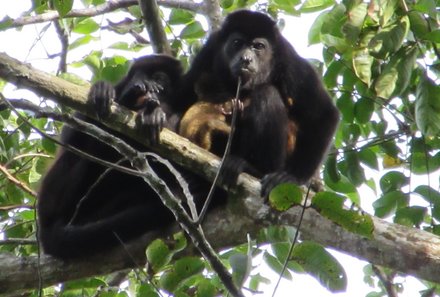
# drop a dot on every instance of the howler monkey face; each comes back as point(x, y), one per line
point(145, 90)
point(248, 58)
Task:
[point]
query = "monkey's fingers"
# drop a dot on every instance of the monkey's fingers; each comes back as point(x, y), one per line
point(101, 94)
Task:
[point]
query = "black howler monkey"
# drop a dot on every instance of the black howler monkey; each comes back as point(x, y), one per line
point(83, 210)
point(287, 119)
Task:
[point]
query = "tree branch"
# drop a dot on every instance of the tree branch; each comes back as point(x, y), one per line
point(108, 6)
point(211, 9)
point(153, 22)
point(397, 247)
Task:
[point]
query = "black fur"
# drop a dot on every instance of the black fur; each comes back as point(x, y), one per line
point(119, 206)
point(279, 90)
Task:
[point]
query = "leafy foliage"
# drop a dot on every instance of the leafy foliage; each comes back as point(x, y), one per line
point(380, 62)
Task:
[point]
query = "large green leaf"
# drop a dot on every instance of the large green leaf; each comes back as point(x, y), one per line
point(192, 30)
point(428, 106)
point(389, 39)
point(331, 205)
point(319, 263)
point(393, 180)
point(396, 75)
point(355, 20)
point(284, 196)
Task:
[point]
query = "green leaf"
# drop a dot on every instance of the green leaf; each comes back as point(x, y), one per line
point(284, 196)
point(428, 7)
point(346, 106)
point(342, 186)
point(314, 35)
point(369, 158)
point(316, 5)
point(427, 108)
point(115, 69)
point(355, 172)
point(411, 216)
point(356, 16)
point(418, 24)
point(192, 31)
point(332, 169)
point(180, 17)
point(241, 265)
point(188, 266)
point(319, 263)
point(363, 110)
point(158, 254)
point(276, 265)
point(389, 39)
point(433, 36)
point(389, 202)
point(396, 75)
point(393, 180)
point(83, 40)
point(362, 62)
point(63, 6)
point(331, 206)
point(287, 6)
point(428, 194)
point(86, 26)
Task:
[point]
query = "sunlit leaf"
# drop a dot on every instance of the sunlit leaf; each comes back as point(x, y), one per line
point(193, 30)
point(362, 62)
point(86, 26)
point(355, 20)
point(319, 263)
point(389, 202)
point(428, 106)
point(284, 196)
point(396, 75)
point(276, 265)
point(180, 17)
point(389, 39)
point(331, 205)
point(158, 254)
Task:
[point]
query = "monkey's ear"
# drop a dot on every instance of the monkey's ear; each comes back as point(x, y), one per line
point(205, 125)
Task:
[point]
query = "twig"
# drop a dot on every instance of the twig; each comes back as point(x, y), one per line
point(17, 182)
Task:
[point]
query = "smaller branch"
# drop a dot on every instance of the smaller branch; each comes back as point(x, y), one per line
point(64, 39)
point(386, 281)
point(18, 241)
point(107, 7)
point(181, 4)
point(17, 182)
point(16, 206)
point(153, 23)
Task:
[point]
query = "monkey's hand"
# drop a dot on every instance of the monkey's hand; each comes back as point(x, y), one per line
point(101, 95)
point(271, 180)
point(151, 121)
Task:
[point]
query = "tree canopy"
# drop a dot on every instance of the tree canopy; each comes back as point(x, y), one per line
point(379, 198)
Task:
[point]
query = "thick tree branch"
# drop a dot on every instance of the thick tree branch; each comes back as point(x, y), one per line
point(108, 6)
point(213, 13)
point(153, 22)
point(404, 249)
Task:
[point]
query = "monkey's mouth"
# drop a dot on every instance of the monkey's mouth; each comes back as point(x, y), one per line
point(245, 73)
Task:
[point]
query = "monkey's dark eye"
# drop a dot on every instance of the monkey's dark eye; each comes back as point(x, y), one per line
point(259, 46)
point(237, 43)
